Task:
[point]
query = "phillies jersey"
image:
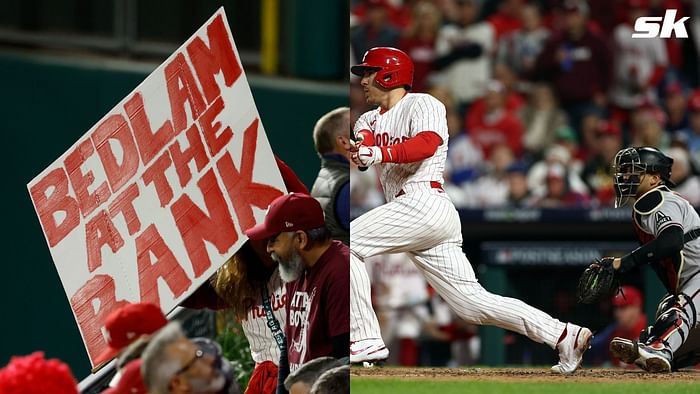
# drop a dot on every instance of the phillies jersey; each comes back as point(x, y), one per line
point(657, 210)
point(414, 113)
point(262, 345)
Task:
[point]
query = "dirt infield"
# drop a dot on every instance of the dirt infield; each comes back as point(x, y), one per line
point(522, 374)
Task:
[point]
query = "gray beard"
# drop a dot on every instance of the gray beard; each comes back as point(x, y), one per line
point(202, 386)
point(290, 270)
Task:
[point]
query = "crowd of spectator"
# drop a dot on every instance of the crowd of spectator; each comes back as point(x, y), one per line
point(541, 94)
point(155, 356)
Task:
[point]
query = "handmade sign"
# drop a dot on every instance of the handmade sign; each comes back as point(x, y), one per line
point(155, 197)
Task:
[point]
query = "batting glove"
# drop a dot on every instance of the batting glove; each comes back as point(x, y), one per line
point(369, 156)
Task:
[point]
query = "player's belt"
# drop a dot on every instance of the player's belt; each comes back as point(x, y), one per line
point(434, 185)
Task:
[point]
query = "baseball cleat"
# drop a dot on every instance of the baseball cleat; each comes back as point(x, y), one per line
point(369, 351)
point(624, 350)
point(651, 358)
point(654, 358)
point(576, 341)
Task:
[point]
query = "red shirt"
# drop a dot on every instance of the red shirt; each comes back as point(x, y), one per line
point(318, 306)
point(503, 129)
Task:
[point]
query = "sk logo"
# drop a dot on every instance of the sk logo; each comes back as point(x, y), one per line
point(656, 26)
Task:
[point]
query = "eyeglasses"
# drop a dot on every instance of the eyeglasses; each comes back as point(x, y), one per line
point(198, 354)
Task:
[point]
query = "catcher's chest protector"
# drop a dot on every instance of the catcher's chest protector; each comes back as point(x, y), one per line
point(657, 210)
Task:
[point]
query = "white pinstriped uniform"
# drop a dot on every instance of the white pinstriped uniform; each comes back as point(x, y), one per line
point(414, 113)
point(262, 345)
point(363, 320)
point(424, 223)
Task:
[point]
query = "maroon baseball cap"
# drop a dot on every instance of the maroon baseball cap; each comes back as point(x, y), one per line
point(131, 381)
point(127, 324)
point(291, 212)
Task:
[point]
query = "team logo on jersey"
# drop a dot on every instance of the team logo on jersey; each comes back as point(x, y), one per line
point(661, 219)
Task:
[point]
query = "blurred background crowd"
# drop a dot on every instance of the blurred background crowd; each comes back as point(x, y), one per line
point(541, 94)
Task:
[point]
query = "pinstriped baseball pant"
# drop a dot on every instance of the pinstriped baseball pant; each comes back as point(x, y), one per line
point(425, 225)
point(363, 320)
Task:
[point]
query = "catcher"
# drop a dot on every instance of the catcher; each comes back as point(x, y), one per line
point(668, 228)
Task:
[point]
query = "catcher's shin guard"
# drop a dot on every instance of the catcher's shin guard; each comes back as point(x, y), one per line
point(672, 316)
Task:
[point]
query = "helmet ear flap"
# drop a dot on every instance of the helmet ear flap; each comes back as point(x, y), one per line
point(385, 78)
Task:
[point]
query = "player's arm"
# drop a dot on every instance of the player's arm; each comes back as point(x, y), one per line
point(428, 131)
point(414, 149)
point(667, 244)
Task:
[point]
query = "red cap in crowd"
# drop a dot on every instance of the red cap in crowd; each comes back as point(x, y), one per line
point(654, 112)
point(694, 101)
point(631, 296)
point(606, 127)
point(291, 212)
point(131, 381)
point(33, 374)
point(127, 324)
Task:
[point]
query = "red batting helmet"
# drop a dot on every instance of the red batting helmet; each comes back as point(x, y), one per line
point(394, 67)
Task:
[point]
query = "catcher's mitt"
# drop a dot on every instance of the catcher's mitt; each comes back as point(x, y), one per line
point(597, 282)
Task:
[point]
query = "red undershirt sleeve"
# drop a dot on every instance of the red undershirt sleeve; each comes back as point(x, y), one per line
point(367, 137)
point(418, 148)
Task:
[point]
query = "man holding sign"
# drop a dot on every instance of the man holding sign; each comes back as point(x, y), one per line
point(316, 270)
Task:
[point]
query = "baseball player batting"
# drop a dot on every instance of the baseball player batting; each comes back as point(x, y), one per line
point(406, 137)
point(667, 227)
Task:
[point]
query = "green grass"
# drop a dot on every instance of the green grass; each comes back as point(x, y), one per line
point(381, 386)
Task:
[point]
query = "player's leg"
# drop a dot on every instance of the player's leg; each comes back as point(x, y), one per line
point(397, 226)
point(366, 344)
point(688, 354)
point(676, 317)
point(448, 270)
point(411, 222)
point(476, 305)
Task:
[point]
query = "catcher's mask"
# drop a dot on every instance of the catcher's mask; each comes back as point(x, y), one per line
point(630, 164)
